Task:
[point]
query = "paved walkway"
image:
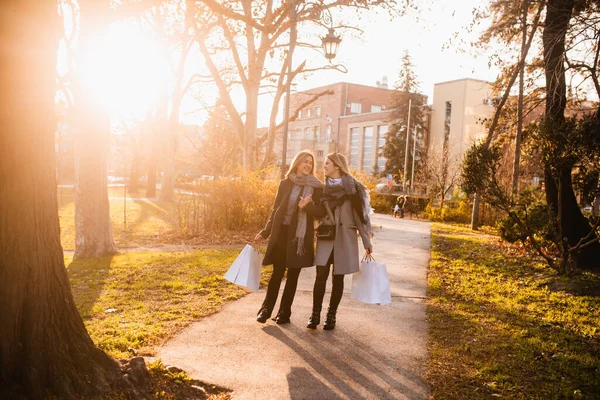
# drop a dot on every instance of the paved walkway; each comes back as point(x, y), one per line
point(375, 352)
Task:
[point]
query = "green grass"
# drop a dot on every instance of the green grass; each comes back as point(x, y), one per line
point(500, 328)
point(148, 222)
point(155, 295)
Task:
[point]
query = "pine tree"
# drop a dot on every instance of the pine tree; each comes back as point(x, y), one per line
point(406, 91)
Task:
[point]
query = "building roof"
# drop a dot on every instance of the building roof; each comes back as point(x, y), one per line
point(347, 83)
point(462, 79)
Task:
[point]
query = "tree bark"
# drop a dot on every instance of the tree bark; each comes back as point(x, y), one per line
point(93, 227)
point(573, 224)
point(43, 342)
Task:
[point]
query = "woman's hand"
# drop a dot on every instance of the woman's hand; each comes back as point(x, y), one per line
point(369, 250)
point(304, 201)
point(258, 237)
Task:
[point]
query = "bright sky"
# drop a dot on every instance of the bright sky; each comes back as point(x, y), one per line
point(379, 50)
point(126, 76)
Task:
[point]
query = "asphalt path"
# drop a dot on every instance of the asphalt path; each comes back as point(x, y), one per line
point(375, 352)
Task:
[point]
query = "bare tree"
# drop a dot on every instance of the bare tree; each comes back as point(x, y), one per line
point(441, 173)
point(93, 227)
point(254, 36)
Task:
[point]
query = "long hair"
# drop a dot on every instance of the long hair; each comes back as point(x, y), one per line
point(298, 159)
point(340, 161)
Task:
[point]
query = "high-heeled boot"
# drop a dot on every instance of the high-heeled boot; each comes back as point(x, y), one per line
point(314, 320)
point(330, 320)
point(282, 317)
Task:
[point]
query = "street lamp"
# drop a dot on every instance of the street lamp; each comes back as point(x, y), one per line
point(410, 106)
point(330, 44)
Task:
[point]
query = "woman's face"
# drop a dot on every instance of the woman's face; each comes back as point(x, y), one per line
point(330, 169)
point(305, 166)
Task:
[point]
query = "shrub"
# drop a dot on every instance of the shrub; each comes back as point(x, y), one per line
point(382, 203)
point(241, 204)
point(452, 211)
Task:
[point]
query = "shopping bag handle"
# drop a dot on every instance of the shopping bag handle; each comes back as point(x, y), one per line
point(368, 257)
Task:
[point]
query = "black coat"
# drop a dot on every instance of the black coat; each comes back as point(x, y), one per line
point(274, 225)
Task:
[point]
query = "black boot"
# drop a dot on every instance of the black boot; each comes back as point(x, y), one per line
point(282, 317)
point(330, 320)
point(314, 320)
point(263, 315)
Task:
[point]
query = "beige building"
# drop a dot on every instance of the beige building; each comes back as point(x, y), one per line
point(460, 108)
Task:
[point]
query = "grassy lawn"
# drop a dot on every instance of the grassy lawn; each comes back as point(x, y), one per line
point(149, 222)
point(505, 326)
point(133, 302)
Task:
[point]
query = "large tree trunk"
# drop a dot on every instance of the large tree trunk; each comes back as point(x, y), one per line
point(574, 225)
point(250, 150)
point(168, 182)
point(43, 343)
point(93, 227)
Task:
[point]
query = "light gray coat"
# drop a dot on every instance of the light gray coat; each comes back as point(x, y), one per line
point(345, 245)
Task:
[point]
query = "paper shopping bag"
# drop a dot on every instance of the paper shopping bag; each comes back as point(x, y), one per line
point(371, 284)
point(245, 270)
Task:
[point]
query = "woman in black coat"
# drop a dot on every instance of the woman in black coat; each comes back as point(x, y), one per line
point(291, 234)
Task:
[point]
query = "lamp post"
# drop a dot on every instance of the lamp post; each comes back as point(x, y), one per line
point(330, 44)
point(410, 106)
point(406, 149)
point(414, 152)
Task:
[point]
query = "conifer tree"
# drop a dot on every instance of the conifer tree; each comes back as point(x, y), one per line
point(406, 91)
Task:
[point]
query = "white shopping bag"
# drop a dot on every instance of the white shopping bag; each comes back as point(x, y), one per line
point(245, 270)
point(371, 284)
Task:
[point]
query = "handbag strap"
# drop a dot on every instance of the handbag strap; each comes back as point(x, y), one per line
point(329, 213)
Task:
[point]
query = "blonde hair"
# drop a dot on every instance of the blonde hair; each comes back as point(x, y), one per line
point(298, 158)
point(340, 161)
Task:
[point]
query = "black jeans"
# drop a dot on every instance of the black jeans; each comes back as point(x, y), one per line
point(337, 289)
point(291, 283)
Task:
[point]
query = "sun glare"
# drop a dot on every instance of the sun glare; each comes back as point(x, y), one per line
point(122, 70)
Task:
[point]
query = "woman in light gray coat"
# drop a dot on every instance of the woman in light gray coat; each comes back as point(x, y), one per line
point(344, 204)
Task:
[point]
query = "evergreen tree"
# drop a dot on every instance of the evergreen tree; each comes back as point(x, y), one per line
point(406, 91)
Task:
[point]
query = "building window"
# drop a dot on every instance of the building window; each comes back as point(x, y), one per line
point(367, 163)
point(328, 134)
point(318, 111)
point(354, 136)
point(355, 108)
point(317, 129)
point(300, 114)
point(382, 131)
point(376, 108)
point(320, 153)
point(308, 113)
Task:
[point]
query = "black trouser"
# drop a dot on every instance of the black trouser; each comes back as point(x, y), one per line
point(279, 268)
point(337, 289)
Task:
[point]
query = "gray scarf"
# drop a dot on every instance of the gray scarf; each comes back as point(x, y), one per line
point(308, 183)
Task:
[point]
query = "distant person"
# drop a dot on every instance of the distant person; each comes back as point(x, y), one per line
point(290, 230)
point(400, 203)
point(344, 204)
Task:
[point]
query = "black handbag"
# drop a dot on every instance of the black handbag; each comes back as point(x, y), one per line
point(326, 231)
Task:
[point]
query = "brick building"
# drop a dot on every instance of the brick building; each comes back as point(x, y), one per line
point(348, 118)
